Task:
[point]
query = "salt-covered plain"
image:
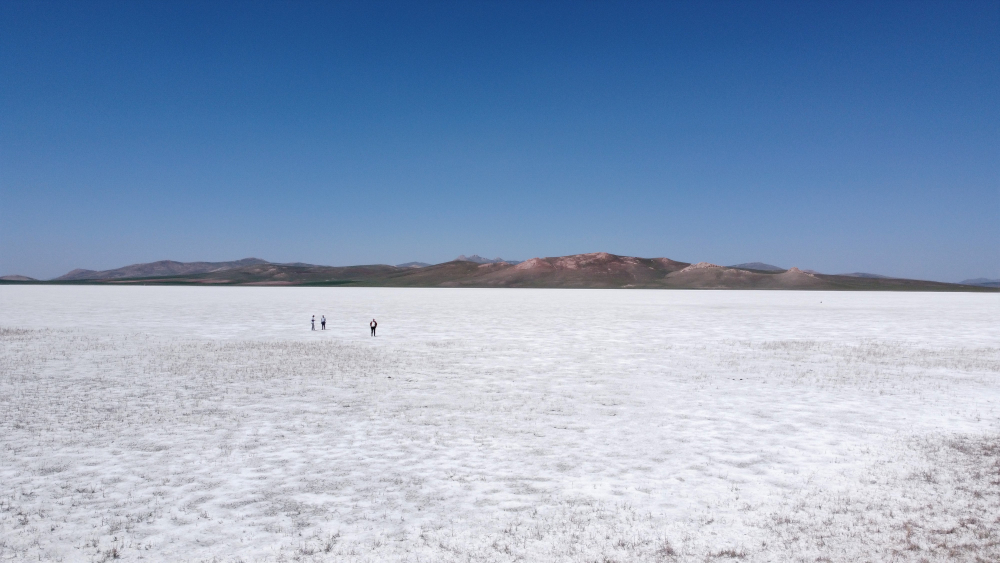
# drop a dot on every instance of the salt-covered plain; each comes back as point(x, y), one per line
point(211, 424)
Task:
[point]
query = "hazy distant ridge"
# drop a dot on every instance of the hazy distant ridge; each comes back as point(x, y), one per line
point(157, 269)
point(480, 260)
point(982, 282)
point(865, 275)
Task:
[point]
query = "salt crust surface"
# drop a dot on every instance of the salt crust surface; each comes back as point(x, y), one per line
point(203, 424)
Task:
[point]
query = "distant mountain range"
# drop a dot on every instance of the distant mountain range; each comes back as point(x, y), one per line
point(982, 282)
point(865, 275)
point(160, 269)
point(595, 270)
point(480, 260)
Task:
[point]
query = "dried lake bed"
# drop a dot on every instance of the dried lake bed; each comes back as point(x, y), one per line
point(211, 424)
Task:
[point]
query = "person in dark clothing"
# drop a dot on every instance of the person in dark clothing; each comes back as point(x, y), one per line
point(314, 322)
point(373, 324)
point(322, 322)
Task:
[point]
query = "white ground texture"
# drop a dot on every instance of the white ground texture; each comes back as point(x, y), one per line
point(210, 424)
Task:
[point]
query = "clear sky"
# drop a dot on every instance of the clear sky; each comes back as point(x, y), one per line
point(835, 136)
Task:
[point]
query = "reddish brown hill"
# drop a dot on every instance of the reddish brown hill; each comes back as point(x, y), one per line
point(598, 269)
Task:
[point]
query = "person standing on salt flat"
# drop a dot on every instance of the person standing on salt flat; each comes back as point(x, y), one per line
point(322, 322)
point(373, 324)
point(314, 322)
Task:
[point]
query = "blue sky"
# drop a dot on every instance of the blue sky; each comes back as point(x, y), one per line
point(834, 136)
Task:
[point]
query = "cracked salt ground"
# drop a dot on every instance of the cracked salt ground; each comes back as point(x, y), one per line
point(497, 425)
